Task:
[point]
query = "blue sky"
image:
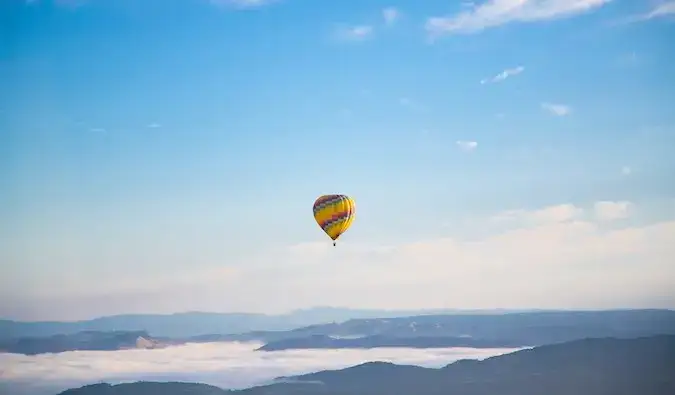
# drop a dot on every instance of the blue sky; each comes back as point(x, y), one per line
point(157, 146)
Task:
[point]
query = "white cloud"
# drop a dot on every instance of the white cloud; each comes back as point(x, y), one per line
point(154, 125)
point(466, 145)
point(355, 33)
point(609, 211)
point(663, 9)
point(97, 130)
point(626, 170)
point(499, 12)
point(390, 15)
point(504, 75)
point(556, 109)
point(226, 365)
point(549, 257)
point(666, 8)
point(546, 215)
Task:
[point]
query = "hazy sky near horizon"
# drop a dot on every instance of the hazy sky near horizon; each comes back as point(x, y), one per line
point(163, 156)
point(225, 365)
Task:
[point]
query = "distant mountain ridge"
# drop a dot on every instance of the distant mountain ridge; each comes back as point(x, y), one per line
point(514, 330)
point(583, 367)
point(89, 341)
point(378, 341)
point(193, 324)
point(458, 330)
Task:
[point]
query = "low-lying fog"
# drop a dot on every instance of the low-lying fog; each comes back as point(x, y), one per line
point(226, 365)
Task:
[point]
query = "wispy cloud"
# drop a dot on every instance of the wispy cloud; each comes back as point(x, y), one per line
point(626, 170)
point(566, 213)
point(609, 211)
point(563, 239)
point(504, 75)
point(97, 130)
point(559, 110)
point(467, 146)
point(493, 13)
point(664, 9)
point(390, 15)
point(226, 365)
point(548, 215)
point(154, 125)
point(355, 33)
point(552, 244)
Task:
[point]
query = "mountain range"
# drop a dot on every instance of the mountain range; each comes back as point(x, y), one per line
point(590, 367)
point(87, 340)
point(190, 324)
point(512, 330)
point(486, 330)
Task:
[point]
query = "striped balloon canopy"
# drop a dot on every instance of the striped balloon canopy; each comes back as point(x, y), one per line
point(334, 214)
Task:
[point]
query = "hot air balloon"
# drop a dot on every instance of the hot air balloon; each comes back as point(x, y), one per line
point(334, 214)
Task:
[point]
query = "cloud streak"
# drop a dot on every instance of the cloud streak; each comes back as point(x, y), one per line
point(467, 146)
point(665, 9)
point(390, 15)
point(494, 13)
point(226, 365)
point(559, 110)
point(504, 75)
point(549, 215)
point(355, 33)
point(610, 211)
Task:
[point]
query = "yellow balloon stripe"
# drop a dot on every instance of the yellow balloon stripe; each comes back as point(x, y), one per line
point(334, 214)
point(349, 202)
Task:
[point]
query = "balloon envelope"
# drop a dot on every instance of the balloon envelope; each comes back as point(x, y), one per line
point(334, 214)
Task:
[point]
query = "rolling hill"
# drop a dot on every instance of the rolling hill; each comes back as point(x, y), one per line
point(460, 330)
point(193, 324)
point(511, 330)
point(590, 367)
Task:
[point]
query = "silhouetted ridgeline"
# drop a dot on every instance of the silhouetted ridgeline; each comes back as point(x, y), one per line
point(321, 341)
point(504, 330)
point(644, 366)
point(426, 331)
point(147, 388)
point(93, 341)
point(183, 325)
